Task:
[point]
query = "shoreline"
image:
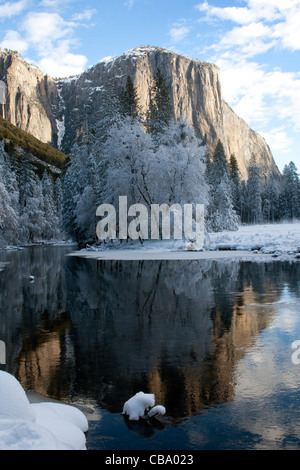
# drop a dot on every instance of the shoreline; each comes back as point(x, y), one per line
point(162, 255)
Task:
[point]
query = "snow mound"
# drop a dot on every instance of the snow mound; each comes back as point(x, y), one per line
point(40, 426)
point(157, 410)
point(136, 407)
point(14, 403)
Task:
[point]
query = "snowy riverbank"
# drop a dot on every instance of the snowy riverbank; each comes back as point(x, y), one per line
point(255, 242)
point(37, 426)
point(39, 244)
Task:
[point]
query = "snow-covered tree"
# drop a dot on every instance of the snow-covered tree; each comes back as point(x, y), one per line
point(74, 183)
point(219, 164)
point(244, 202)
point(58, 197)
point(290, 196)
point(31, 203)
point(254, 193)
point(270, 201)
point(235, 179)
point(107, 115)
point(221, 214)
point(9, 201)
point(128, 153)
point(51, 226)
point(171, 173)
point(30, 208)
point(182, 163)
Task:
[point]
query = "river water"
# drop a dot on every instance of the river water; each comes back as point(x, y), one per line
point(211, 339)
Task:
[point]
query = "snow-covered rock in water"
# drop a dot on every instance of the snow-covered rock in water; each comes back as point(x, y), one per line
point(135, 407)
point(40, 426)
point(139, 406)
point(157, 410)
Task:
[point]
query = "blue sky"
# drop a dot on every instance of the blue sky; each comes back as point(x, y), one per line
point(256, 44)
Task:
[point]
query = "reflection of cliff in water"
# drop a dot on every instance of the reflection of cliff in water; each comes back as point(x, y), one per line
point(22, 302)
point(176, 329)
point(105, 330)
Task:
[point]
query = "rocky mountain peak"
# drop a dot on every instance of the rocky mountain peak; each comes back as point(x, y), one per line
point(55, 110)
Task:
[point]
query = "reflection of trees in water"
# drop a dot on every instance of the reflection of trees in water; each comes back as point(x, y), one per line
point(23, 303)
point(105, 330)
point(176, 329)
point(145, 311)
point(144, 427)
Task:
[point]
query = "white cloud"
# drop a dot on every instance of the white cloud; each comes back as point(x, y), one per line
point(178, 32)
point(240, 36)
point(235, 14)
point(256, 10)
point(287, 32)
point(85, 15)
point(44, 28)
point(250, 39)
point(265, 96)
point(279, 139)
point(272, 10)
point(63, 63)
point(273, 22)
point(14, 41)
point(52, 39)
point(259, 95)
point(9, 9)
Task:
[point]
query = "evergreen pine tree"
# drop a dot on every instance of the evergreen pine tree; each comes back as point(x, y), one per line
point(75, 181)
point(31, 202)
point(51, 227)
point(208, 168)
point(244, 202)
point(58, 198)
point(159, 113)
point(107, 115)
point(254, 193)
point(221, 214)
point(270, 201)
point(8, 201)
point(220, 165)
point(290, 199)
point(234, 175)
point(129, 101)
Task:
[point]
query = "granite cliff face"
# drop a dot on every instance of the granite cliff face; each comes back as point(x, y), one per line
point(29, 95)
point(55, 111)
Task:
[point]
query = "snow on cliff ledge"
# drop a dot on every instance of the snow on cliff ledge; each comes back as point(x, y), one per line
point(41, 426)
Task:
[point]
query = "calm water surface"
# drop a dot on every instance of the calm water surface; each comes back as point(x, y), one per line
point(211, 339)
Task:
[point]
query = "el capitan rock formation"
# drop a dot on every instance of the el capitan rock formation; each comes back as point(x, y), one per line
point(54, 111)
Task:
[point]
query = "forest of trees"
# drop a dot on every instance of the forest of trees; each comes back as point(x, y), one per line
point(254, 201)
point(151, 159)
point(30, 208)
